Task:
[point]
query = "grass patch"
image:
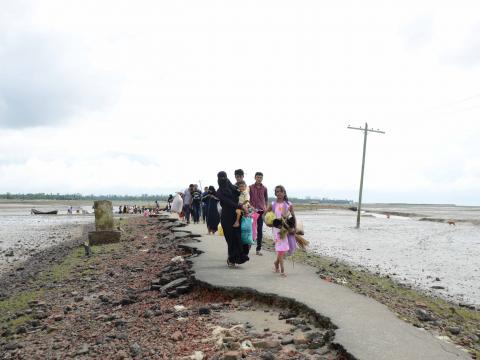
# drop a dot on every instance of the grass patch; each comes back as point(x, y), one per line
point(17, 303)
point(20, 320)
point(75, 262)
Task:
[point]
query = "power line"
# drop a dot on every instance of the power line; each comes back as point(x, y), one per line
point(453, 103)
point(365, 130)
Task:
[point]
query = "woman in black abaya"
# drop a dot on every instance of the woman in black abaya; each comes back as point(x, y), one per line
point(213, 218)
point(228, 195)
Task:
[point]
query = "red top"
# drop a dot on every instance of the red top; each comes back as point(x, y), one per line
point(258, 196)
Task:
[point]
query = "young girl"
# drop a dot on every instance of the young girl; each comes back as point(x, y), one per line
point(282, 207)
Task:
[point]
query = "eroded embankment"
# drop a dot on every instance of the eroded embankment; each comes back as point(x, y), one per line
point(139, 299)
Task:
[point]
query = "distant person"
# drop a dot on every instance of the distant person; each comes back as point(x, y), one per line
point(177, 204)
point(212, 215)
point(204, 204)
point(125, 211)
point(169, 202)
point(259, 201)
point(196, 204)
point(228, 194)
point(187, 202)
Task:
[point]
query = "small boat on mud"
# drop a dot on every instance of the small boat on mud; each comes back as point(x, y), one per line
point(38, 212)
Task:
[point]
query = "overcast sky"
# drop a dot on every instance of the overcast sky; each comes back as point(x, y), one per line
point(136, 97)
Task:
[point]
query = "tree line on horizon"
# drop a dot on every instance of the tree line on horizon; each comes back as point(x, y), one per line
point(51, 196)
point(142, 197)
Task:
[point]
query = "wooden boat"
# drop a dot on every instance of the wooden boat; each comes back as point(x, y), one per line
point(37, 212)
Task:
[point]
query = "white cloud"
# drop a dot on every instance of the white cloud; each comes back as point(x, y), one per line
point(45, 77)
point(271, 86)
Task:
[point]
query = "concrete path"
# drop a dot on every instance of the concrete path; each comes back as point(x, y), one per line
point(366, 329)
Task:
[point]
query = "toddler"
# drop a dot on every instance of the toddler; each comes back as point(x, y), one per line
point(244, 200)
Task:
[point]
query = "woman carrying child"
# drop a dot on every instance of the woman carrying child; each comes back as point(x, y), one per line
point(228, 195)
point(284, 241)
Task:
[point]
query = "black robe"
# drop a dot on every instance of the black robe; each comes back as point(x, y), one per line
point(213, 218)
point(228, 195)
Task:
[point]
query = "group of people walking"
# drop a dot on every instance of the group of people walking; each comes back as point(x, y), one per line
point(237, 201)
point(132, 209)
point(229, 204)
point(192, 203)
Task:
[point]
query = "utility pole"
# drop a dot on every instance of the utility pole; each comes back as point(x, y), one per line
point(365, 130)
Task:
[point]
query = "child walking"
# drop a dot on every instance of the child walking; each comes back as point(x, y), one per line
point(284, 242)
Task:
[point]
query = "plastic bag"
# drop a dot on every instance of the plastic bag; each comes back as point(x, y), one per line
point(220, 230)
point(246, 230)
point(177, 204)
point(255, 217)
point(269, 217)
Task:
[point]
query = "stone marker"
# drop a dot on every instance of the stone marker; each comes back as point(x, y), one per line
point(104, 233)
point(103, 215)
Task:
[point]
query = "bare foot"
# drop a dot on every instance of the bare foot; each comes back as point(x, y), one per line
point(236, 225)
point(283, 275)
point(275, 268)
point(259, 253)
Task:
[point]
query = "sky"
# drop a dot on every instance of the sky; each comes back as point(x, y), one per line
point(133, 97)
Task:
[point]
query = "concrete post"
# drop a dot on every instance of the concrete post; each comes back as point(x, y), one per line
point(104, 233)
point(103, 215)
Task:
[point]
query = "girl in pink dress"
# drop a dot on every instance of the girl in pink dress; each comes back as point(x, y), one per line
point(282, 207)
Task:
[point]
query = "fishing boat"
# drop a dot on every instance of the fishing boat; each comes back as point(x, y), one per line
point(38, 212)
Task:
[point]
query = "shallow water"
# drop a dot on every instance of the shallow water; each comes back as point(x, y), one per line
point(25, 234)
point(462, 213)
point(410, 250)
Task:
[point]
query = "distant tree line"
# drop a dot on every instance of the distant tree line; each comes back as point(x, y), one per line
point(143, 197)
point(51, 196)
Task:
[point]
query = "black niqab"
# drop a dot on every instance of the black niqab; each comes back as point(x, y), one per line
point(228, 195)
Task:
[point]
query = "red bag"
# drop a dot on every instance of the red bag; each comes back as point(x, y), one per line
point(255, 217)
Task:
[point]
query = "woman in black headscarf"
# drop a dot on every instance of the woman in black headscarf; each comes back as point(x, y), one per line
point(228, 195)
point(213, 218)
